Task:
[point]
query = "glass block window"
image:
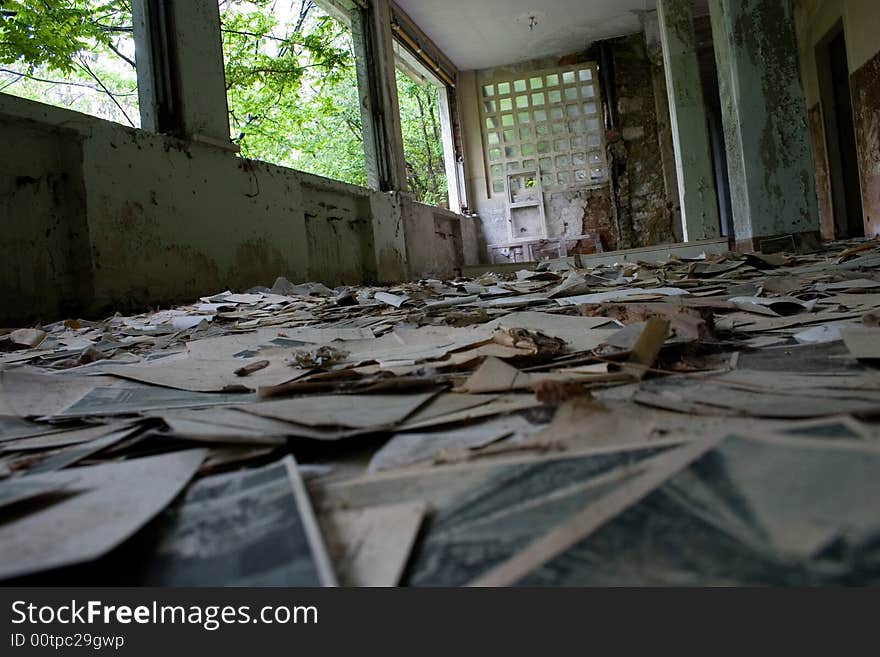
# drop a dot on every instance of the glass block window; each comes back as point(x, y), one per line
point(551, 117)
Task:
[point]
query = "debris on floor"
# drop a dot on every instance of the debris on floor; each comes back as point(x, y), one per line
point(696, 421)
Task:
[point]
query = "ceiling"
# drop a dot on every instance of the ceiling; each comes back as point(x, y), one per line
point(478, 34)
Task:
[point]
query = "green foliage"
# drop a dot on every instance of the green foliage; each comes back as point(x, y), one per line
point(292, 90)
point(70, 53)
point(51, 33)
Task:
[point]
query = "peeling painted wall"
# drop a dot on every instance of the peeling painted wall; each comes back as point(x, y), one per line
point(765, 118)
point(97, 217)
point(590, 209)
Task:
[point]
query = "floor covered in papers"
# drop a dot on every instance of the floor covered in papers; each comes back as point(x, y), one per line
point(712, 421)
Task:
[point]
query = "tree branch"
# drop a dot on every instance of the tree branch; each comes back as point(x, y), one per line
point(6, 86)
point(429, 155)
point(255, 34)
point(62, 82)
point(354, 128)
point(126, 59)
point(88, 70)
point(304, 9)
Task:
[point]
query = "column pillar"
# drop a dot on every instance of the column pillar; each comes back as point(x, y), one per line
point(181, 76)
point(687, 114)
point(765, 120)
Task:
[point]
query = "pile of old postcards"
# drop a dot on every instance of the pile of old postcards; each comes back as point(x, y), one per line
point(685, 422)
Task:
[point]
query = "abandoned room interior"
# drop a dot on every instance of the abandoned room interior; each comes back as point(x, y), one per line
point(440, 293)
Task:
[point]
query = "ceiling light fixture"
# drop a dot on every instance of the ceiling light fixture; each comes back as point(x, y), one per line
point(530, 19)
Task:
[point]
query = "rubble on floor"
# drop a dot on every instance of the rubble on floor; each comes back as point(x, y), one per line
point(696, 421)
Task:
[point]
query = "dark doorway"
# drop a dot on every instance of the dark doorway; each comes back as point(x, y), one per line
point(715, 126)
point(714, 118)
point(840, 135)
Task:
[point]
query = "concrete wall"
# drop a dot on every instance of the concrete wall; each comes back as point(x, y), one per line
point(634, 208)
point(435, 240)
point(861, 25)
point(97, 217)
point(44, 261)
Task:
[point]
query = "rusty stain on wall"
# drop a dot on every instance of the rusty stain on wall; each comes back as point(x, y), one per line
point(823, 177)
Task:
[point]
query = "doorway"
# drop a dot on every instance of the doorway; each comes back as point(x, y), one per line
point(715, 126)
point(840, 134)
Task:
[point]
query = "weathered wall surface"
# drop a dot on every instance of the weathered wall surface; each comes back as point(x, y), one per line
point(633, 209)
point(44, 236)
point(339, 236)
point(98, 217)
point(866, 109)
point(590, 209)
point(861, 25)
point(169, 219)
point(765, 120)
point(434, 246)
